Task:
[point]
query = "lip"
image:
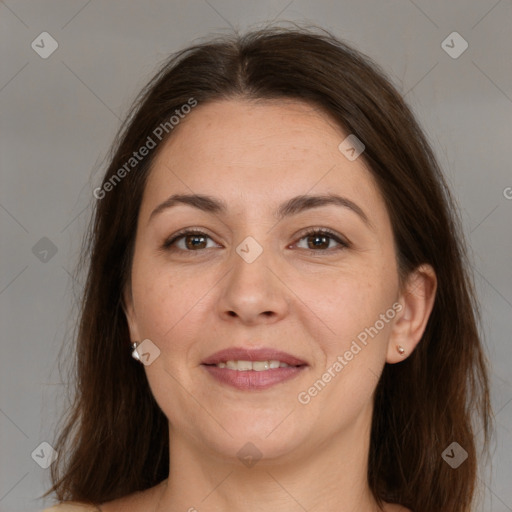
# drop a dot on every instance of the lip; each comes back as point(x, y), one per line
point(246, 354)
point(252, 380)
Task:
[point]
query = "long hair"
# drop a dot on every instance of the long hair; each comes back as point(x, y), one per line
point(114, 438)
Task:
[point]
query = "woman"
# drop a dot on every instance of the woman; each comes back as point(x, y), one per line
point(276, 247)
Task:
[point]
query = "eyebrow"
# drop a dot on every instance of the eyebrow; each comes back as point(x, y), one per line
point(290, 207)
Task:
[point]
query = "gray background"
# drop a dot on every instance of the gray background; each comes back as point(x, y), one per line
point(59, 115)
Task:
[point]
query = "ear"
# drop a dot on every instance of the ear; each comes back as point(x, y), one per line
point(417, 300)
point(131, 319)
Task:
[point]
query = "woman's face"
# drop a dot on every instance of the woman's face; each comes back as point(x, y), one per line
point(254, 279)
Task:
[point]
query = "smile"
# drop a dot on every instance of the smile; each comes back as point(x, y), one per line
point(257, 366)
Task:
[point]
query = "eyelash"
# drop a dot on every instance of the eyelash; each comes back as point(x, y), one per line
point(167, 245)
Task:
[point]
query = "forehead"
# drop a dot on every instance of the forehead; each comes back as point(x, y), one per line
point(257, 152)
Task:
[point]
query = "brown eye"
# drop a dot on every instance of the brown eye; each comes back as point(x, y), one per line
point(192, 241)
point(318, 240)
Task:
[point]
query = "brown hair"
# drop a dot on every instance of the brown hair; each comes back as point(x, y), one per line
point(115, 437)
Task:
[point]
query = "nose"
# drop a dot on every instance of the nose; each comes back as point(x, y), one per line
point(253, 291)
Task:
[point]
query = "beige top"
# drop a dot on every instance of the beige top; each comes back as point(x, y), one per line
point(73, 506)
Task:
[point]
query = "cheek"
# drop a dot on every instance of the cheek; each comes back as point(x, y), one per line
point(361, 315)
point(356, 306)
point(170, 303)
point(156, 304)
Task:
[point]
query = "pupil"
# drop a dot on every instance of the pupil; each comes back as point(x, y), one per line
point(195, 237)
point(319, 237)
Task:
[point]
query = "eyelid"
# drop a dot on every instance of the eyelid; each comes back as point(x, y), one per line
point(327, 231)
point(343, 242)
point(182, 233)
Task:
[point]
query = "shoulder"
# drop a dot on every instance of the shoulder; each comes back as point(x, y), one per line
point(72, 506)
point(139, 501)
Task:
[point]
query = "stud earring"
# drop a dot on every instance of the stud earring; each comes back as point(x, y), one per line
point(135, 354)
point(400, 350)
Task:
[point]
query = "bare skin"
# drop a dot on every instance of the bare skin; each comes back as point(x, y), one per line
point(307, 301)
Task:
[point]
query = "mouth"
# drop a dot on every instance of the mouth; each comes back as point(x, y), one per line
point(252, 369)
point(257, 366)
point(244, 359)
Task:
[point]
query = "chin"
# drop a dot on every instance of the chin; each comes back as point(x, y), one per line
point(268, 439)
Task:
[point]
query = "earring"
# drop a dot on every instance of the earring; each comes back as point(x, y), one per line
point(135, 354)
point(400, 350)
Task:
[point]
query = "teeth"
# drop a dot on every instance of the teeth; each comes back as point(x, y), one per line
point(257, 366)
